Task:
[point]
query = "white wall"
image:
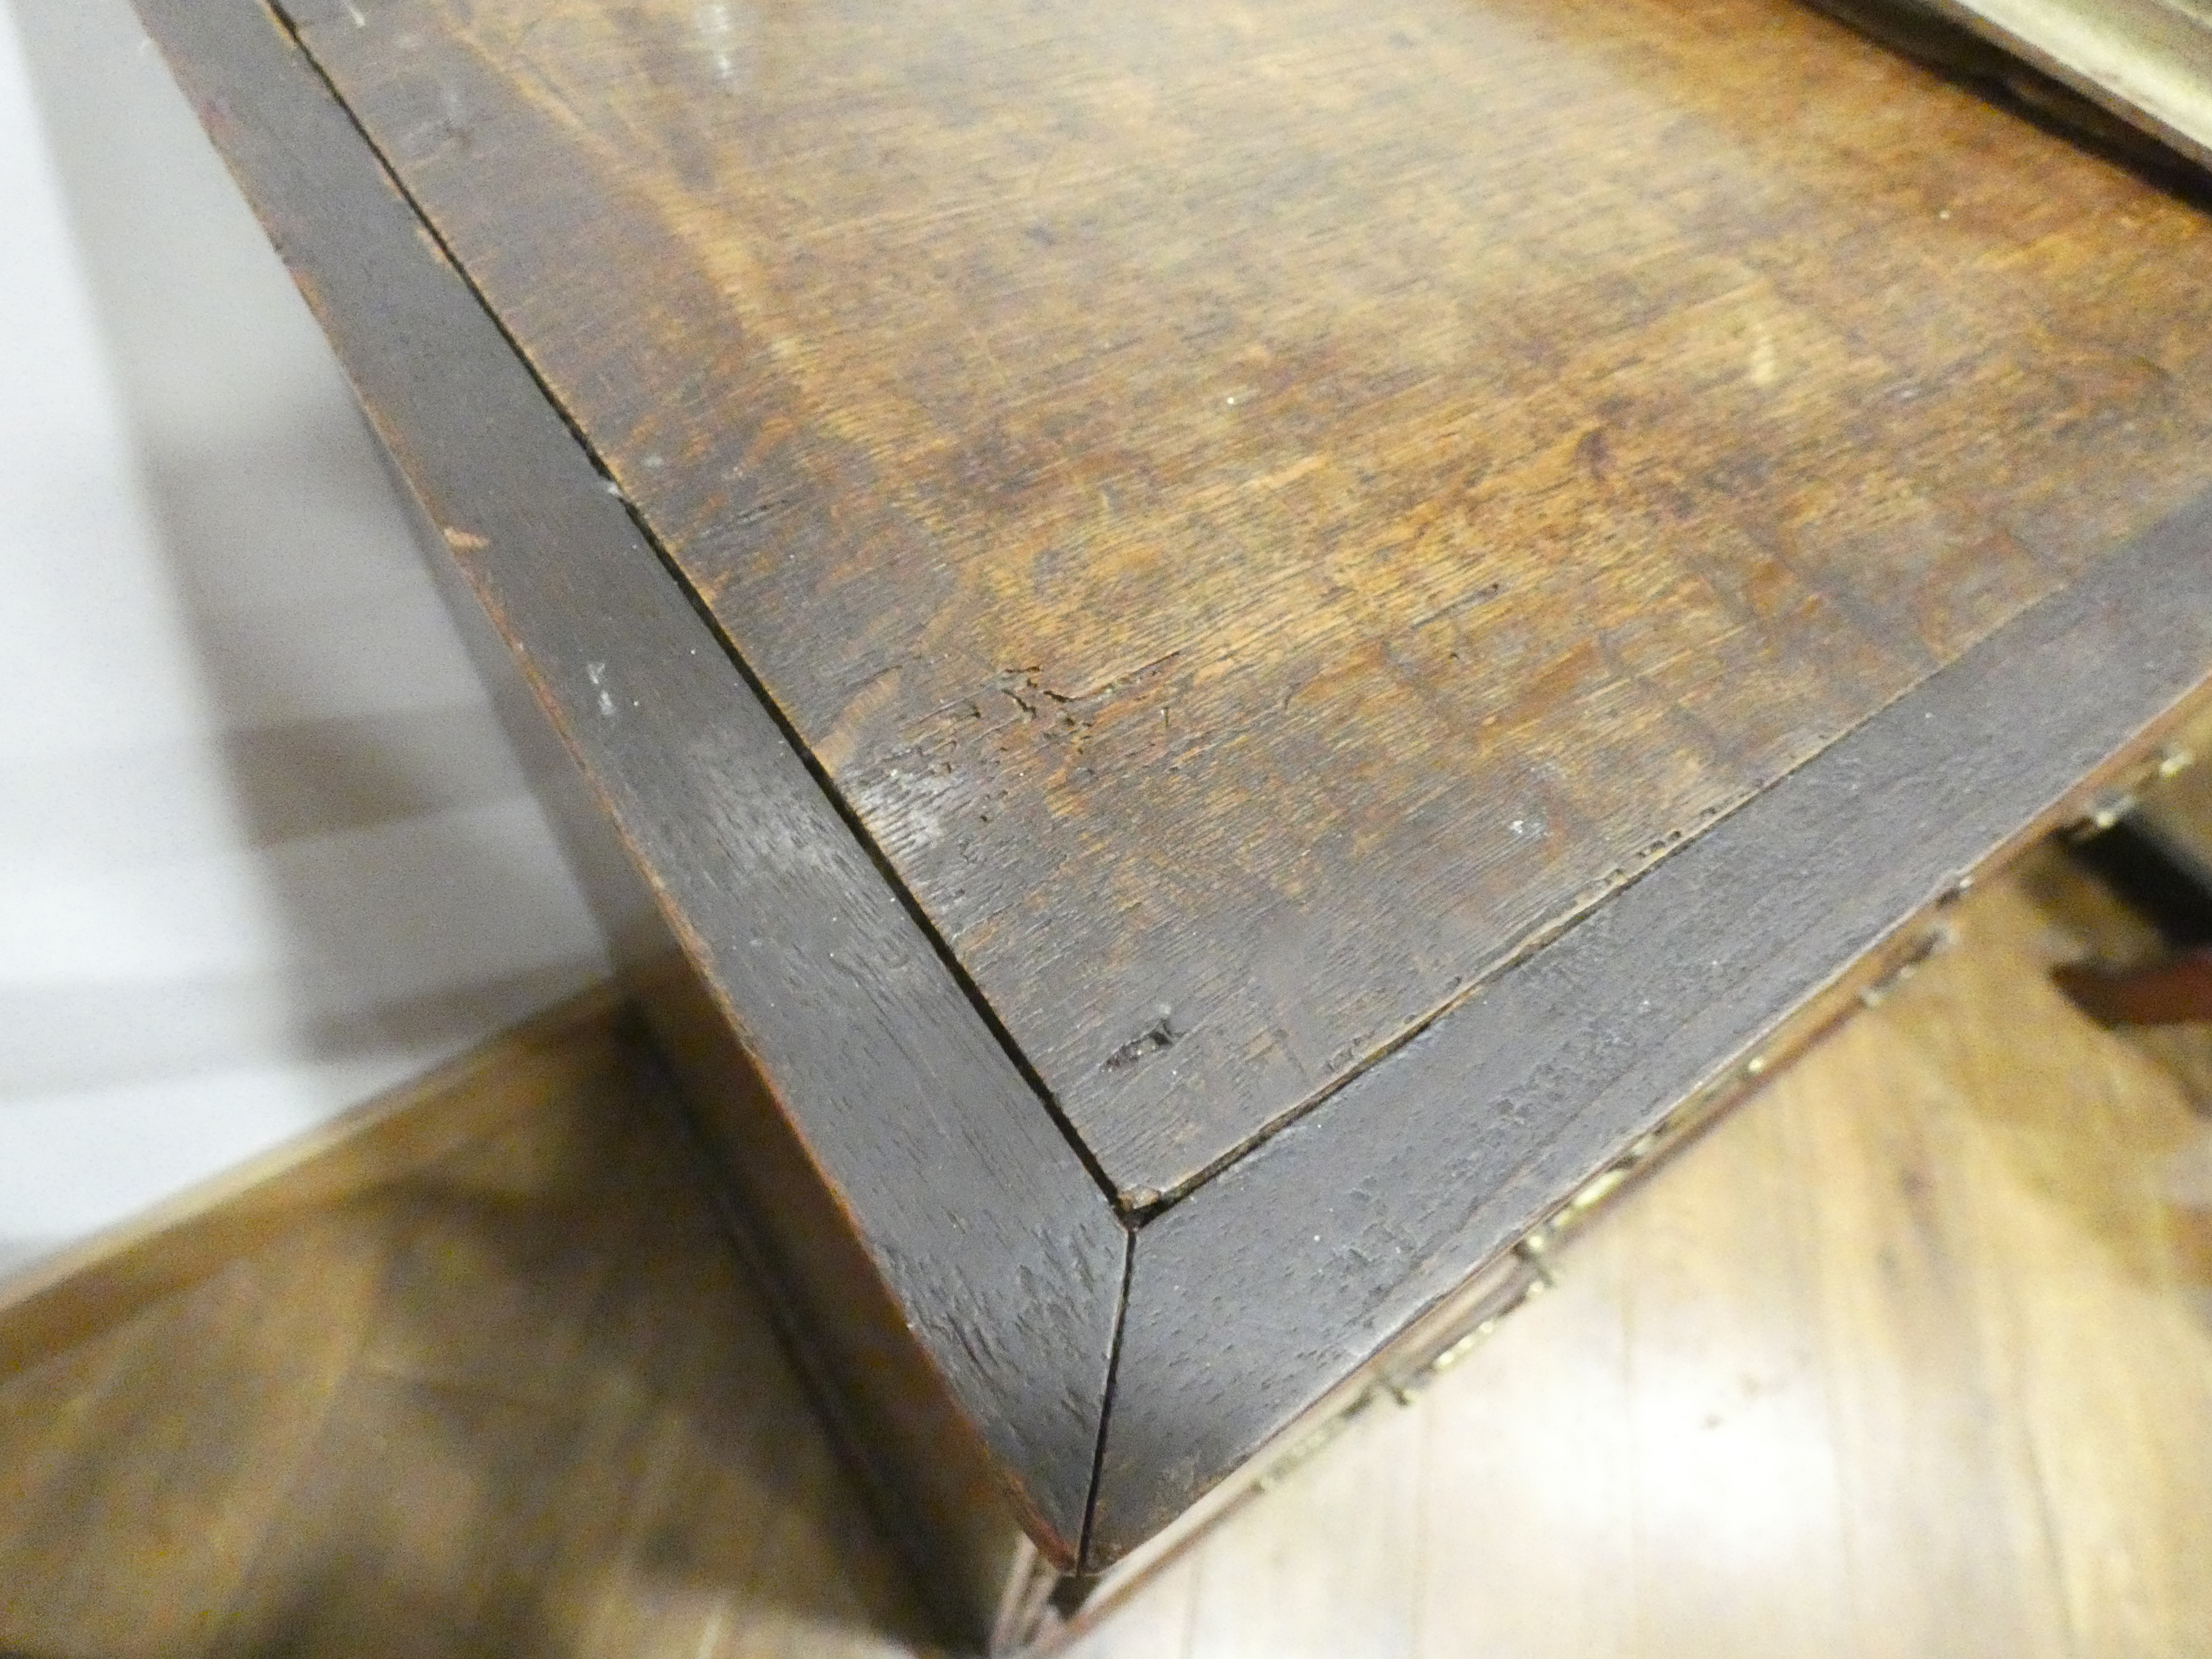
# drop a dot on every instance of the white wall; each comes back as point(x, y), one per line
point(262, 850)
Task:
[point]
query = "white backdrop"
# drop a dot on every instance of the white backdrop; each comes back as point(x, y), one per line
point(262, 850)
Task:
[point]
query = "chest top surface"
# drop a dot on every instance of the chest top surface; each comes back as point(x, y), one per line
point(1263, 513)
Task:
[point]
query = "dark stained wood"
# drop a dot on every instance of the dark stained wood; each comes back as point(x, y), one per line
point(931, 1476)
point(1630, 402)
point(1308, 1255)
point(911, 1113)
point(1948, 1398)
point(936, 1487)
point(1261, 513)
point(2165, 881)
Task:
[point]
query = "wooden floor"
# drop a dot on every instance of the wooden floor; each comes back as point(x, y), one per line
point(1912, 1357)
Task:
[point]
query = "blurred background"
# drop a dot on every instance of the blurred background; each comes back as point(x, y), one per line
point(263, 850)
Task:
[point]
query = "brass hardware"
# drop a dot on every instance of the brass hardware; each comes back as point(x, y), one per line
point(2110, 805)
point(1305, 1450)
point(1936, 941)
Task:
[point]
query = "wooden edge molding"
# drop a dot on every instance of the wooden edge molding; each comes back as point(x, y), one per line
point(95, 1285)
point(1250, 1300)
point(1253, 1298)
point(918, 1123)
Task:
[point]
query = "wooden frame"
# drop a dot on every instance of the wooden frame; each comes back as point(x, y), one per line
point(1143, 1355)
point(913, 1114)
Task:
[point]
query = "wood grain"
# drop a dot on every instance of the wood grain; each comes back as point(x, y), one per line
point(1958, 41)
point(934, 1481)
point(911, 1113)
point(1259, 515)
point(1930, 372)
point(1946, 1399)
point(1250, 1299)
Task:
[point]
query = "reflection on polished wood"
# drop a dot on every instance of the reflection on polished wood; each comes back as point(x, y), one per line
point(1912, 1356)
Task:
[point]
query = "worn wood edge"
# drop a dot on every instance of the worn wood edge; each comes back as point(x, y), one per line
point(919, 1461)
point(699, 949)
point(1430, 1346)
point(696, 1073)
point(816, 1293)
point(1251, 1299)
point(1445, 1331)
point(915, 1116)
point(95, 1285)
point(615, 893)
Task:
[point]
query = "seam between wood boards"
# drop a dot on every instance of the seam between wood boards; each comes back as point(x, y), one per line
point(1133, 1214)
point(1129, 1236)
point(1550, 933)
point(2083, 757)
point(881, 863)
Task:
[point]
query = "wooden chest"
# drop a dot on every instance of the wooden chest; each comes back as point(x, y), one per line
point(1245, 653)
